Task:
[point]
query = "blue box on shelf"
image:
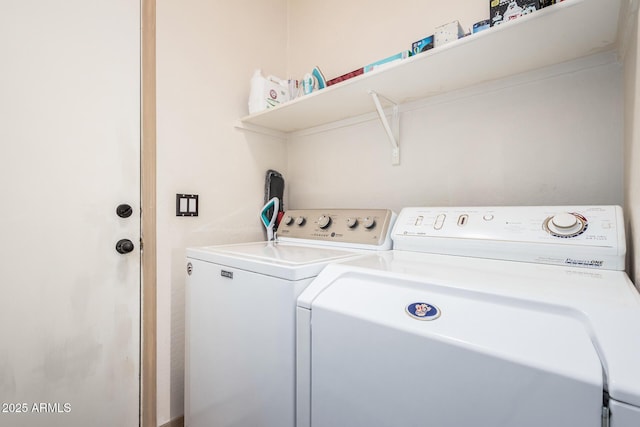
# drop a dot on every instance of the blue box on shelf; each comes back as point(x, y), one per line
point(387, 61)
point(422, 45)
point(480, 26)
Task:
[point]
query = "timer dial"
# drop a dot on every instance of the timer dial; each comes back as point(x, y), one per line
point(566, 225)
point(369, 223)
point(287, 220)
point(564, 221)
point(324, 221)
point(352, 222)
point(300, 220)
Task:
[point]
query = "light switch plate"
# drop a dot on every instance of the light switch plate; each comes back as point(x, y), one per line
point(186, 205)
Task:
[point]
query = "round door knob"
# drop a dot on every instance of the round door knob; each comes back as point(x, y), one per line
point(124, 210)
point(124, 246)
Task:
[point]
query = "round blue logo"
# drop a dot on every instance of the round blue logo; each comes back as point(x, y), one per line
point(423, 311)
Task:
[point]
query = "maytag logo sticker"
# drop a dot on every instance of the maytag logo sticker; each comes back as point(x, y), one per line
point(423, 311)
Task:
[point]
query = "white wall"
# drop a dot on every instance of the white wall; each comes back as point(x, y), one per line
point(632, 152)
point(206, 52)
point(552, 136)
point(340, 36)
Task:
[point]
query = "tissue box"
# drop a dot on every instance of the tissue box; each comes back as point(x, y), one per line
point(447, 33)
point(508, 10)
point(422, 45)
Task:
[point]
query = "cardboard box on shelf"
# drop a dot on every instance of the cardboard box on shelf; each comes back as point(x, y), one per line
point(447, 33)
point(345, 76)
point(545, 3)
point(422, 45)
point(481, 26)
point(386, 61)
point(507, 10)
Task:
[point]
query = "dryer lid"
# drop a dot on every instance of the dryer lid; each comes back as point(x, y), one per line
point(375, 360)
point(601, 307)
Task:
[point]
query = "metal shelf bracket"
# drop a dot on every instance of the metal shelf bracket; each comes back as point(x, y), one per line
point(393, 130)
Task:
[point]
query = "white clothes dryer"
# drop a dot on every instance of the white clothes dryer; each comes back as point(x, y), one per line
point(240, 313)
point(501, 317)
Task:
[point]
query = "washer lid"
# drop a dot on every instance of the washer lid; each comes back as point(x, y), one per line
point(284, 260)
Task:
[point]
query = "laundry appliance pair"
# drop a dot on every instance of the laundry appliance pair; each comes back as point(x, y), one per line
point(501, 316)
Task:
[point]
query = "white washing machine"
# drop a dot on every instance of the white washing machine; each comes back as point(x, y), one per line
point(240, 313)
point(497, 316)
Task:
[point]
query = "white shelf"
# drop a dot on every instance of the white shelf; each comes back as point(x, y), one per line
point(559, 33)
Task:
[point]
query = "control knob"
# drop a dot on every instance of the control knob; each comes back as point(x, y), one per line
point(287, 220)
point(566, 225)
point(352, 222)
point(324, 221)
point(369, 223)
point(300, 220)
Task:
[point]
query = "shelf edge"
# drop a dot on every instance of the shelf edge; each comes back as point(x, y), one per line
point(249, 127)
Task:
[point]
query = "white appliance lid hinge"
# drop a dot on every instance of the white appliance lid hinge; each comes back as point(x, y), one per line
point(606, 415)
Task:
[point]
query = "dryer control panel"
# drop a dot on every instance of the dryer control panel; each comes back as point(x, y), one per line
point(355, 228)
point(581, 236)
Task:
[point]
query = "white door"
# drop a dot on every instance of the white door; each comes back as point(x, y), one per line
point(69, 155)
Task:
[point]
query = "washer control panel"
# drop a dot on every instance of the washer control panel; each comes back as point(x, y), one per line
point(583, 236)
point(367, 227)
